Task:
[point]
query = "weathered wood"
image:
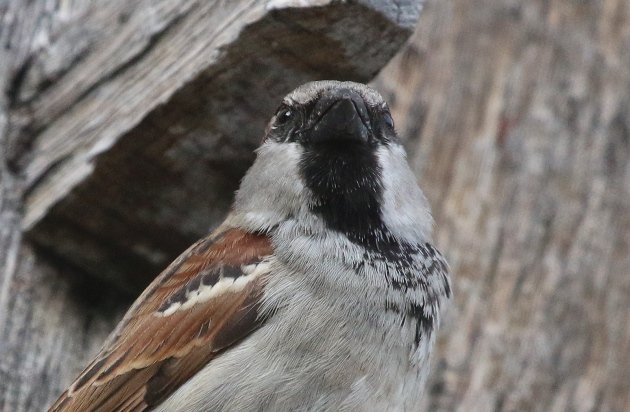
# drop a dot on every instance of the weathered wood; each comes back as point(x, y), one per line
point(139, 119)
point(518, 120)
point(124, 128)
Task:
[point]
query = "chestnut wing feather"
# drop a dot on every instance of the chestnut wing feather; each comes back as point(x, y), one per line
point(205, 301)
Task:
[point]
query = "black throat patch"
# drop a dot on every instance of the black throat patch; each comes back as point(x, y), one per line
point(345, 179)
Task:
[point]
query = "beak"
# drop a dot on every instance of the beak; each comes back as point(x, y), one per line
point(342, 119)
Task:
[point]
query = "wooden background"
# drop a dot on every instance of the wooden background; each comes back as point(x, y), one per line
point(518, 120)
point(516, 117)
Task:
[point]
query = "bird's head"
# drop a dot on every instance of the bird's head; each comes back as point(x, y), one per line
point(331, 157)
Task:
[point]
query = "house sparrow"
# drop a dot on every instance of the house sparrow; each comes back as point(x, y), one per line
point(319, 292)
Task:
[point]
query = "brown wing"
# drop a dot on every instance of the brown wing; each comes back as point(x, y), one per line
point(203, 302)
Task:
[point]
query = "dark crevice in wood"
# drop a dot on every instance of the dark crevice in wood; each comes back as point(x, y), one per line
point(164, 182)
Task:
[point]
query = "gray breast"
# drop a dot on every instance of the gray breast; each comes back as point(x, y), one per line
point(350, 330)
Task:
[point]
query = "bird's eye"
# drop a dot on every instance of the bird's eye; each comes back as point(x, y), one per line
point(388, 120)
point(284, 115)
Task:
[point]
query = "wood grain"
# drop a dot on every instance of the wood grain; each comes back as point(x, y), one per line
point(140, 118)
point(517, 116)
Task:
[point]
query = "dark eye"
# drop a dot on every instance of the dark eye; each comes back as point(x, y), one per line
point(284, 115)
point(388, 120)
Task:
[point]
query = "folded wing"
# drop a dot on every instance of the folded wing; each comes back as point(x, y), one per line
point(205, 301)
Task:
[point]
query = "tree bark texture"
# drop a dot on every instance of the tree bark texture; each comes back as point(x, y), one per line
point(125, 127)
point(517, 116)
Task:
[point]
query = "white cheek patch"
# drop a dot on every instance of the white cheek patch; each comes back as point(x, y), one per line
point(271, 189)
point(225, 284)
point(405, 209)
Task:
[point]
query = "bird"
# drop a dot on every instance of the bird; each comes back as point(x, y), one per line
point(320, 291)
